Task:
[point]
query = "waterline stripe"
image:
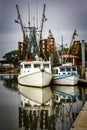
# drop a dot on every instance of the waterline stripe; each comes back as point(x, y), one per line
point(65, 76)
point(33, 86)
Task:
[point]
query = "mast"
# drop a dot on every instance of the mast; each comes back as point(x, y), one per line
point(28, 15)
point(72, 40)
point(19, 21)
point(43, 20)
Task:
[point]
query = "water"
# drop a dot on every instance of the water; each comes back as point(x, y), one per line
point(13, 117)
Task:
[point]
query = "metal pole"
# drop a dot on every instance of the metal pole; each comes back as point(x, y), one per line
point(83, 58)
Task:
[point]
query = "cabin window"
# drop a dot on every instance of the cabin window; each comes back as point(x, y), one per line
point(73, 68)
point(46, 65)
point(36, 65)
point(27, 66)
point(62, 69)
point(68, 69)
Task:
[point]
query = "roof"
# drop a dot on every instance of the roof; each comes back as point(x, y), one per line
point(68, 56)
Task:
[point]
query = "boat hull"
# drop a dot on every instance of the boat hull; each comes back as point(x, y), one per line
point(37, 79)
point(66, 80)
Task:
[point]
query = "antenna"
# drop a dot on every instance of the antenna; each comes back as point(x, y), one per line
point(36, 13)
point(28, 15)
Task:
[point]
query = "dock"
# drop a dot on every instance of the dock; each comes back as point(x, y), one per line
point(81, 120)
point(82, 82)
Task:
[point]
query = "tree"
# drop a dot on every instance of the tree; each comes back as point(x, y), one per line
point(12, 57)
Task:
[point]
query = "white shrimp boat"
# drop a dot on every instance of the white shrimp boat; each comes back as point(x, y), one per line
point(34, 80)
point(35, 74)
point(35, 68)
point(65, 74)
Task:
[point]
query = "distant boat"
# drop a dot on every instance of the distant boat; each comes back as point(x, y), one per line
point(65, 74)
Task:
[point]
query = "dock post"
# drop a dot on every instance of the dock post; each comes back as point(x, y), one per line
point(83, 58)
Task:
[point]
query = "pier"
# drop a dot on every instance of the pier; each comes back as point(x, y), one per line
point(81, 120)
point(82, 82)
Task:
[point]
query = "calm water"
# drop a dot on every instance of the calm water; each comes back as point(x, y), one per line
point(61, 117)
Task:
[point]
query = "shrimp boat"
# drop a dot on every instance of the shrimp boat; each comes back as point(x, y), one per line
point(35, 73)
point(65, 74)
point(35, 69)
point(33, 81)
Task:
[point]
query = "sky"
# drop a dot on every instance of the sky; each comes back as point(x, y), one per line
point(63, 17)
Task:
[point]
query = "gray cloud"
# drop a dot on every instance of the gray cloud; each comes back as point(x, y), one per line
point(65, 15)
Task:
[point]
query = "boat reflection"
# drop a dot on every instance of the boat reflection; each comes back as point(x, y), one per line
point(55, 115)
point(59, 115)
point(65, 93)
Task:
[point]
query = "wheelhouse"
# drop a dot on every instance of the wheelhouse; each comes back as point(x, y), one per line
point(64, 70)
point(35, 66)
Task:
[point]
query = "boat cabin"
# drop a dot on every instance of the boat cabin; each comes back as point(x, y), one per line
point(60, 70)
point(34, 66)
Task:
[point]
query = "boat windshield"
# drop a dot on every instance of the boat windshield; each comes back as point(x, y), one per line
point(36, 65)
point(27, 66)
point(68, 69)
point(73, 68)
point(62, 69)
point(46, 65)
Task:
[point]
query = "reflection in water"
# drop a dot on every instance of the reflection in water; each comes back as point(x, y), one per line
point(59, 115)
point(65, 93)
point(36, 118)
point(83, 94)
point(10, 81)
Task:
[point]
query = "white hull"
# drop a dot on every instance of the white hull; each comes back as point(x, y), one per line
point(37, 79)
point(68, 80)
point(36, 95)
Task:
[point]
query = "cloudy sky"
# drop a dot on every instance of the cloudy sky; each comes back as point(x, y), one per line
point(63, 17)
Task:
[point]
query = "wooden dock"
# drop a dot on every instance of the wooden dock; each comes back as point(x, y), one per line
point(81, 120)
